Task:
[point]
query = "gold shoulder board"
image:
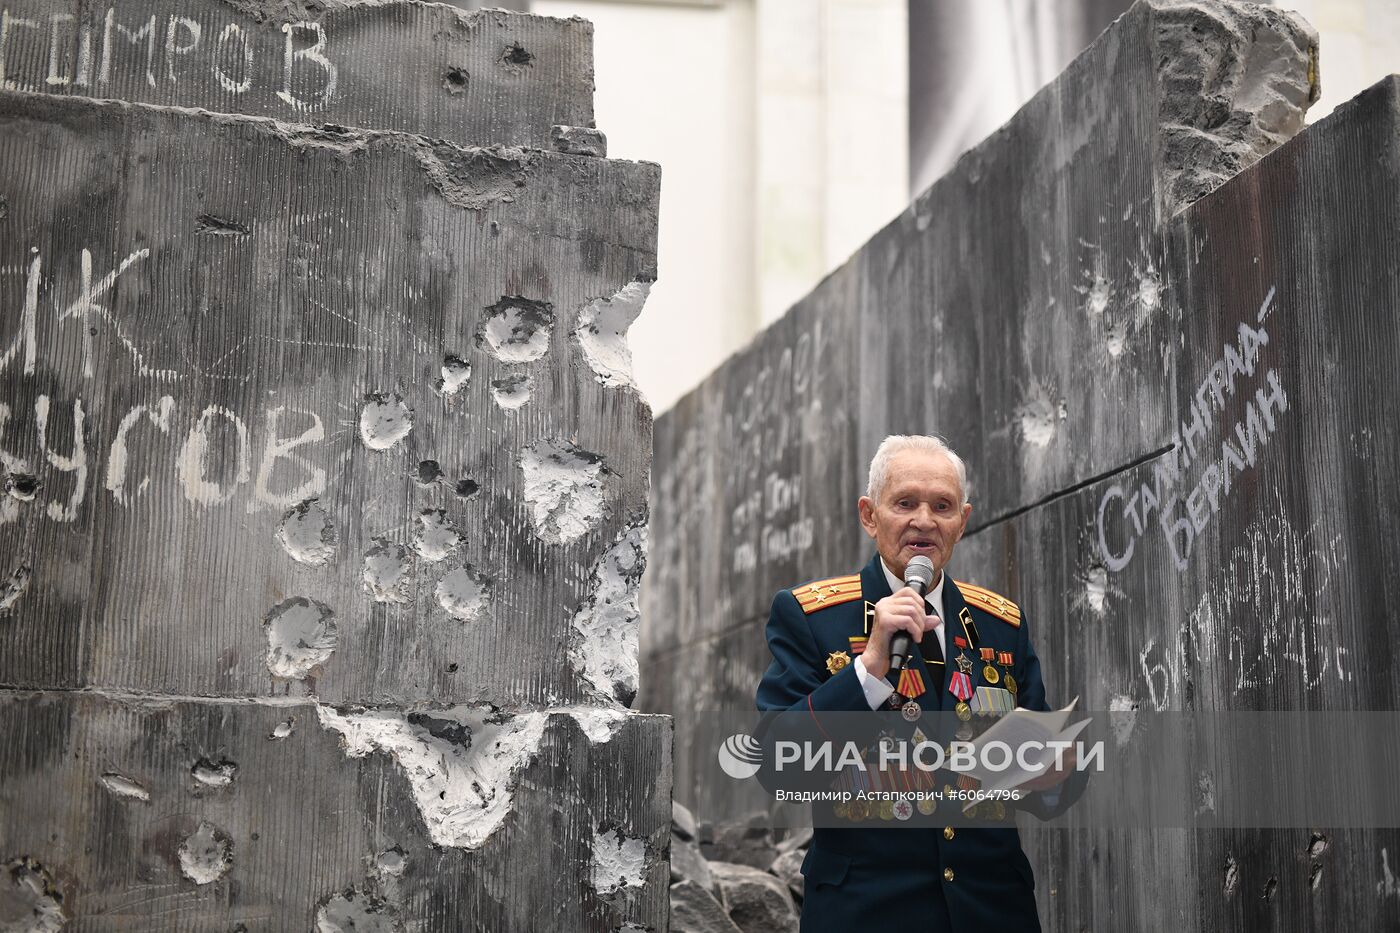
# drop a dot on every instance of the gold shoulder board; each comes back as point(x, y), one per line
point(995, 603)
point(822, 594)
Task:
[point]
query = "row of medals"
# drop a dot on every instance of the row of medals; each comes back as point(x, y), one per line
point(911, 710)
point(859, 810)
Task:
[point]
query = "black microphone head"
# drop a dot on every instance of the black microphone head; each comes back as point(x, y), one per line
point(919, 574)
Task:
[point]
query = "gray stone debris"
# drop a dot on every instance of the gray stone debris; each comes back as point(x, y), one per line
point(745, 842)
point(682, 822)
point(687, 864)
point(757, 902)
point(788, 867)
point(695, 910)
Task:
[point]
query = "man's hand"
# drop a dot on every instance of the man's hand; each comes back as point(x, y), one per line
point(904, 611)
point(1052, 776)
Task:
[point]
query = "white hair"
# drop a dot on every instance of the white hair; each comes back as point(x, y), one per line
point(924, 443)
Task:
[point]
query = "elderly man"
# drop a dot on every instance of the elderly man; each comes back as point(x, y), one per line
point(913, 877)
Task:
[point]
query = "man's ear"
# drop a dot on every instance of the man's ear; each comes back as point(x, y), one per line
point(966, 514)
point(866, 507)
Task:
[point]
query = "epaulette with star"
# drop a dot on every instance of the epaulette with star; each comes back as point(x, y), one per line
point(995, 603)
point(822, 594)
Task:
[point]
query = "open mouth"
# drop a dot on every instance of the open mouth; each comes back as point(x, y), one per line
point(920, 545)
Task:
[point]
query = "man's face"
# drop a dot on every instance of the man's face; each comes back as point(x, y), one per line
point(917, 512)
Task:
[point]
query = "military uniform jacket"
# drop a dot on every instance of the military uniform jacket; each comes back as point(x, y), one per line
point(925, 879)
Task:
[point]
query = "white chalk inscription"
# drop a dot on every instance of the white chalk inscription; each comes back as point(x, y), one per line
point(53, 50)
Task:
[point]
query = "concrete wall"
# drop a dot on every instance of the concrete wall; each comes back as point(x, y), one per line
point(325, 500)
point(781, 124)
point(1056, 306)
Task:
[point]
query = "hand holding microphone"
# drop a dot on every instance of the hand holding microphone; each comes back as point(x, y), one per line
point(900, 621)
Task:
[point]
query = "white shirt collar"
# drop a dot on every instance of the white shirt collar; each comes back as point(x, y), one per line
point(934, 597)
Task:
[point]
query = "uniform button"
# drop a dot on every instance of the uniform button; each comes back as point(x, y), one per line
point(947, 874)
point(947, 832)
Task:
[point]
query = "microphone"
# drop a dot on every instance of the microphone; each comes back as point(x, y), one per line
point(918, 575)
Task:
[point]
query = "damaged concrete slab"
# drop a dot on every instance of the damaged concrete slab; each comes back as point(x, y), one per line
point(295, 387)
point(1152, 312)
point(318, 815)
point(1019, 307)
point(325, 477)
point(481, 77)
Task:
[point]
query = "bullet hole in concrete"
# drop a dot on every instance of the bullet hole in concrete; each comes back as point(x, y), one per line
point(563, 490)
point(438, 538)
point(1039, 416)
point(391, 862)
point(1149, 295)
point(428, 472)
point(1270, 888)
point(511, 392)
point(602, 333)
point(618, 861)
point(29, 900)
point(452, 668)
point(455, 373)
point(212, 773)
point(1096, 587)
point(455, 80)
point(1115, 338)
point(517, 329)
point(385, 420)
point(307, 533)
point(207, 854)
point(282, 729)
point(209, 225)
point(1315, 878)
point(604, 631)
point(13, 588)
point(495, 228)
point(22, 486)
point(301, 635)
point(4, 207)
point(386, 573)
point(120, 785)
point(441, 727)
point(355, 911)
point(1317, 845)
point(516, 59)
point(463, 594)
point(1232, 875)
point(1098, 295)
point(467, 487)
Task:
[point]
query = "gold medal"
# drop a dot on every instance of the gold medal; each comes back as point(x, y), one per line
point(927, 805)
point(998, 810)
point(989, 674)
point(886, 810)
point(841, 810)
point(837, 660)
point(1010, 683)
point(860, 809)
point(963, 710)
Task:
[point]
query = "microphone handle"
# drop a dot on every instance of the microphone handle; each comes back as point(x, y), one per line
point(903, 643)
point(900, 646)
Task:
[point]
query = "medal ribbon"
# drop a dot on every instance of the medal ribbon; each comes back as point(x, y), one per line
point(960, 686)
point(911, 683)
